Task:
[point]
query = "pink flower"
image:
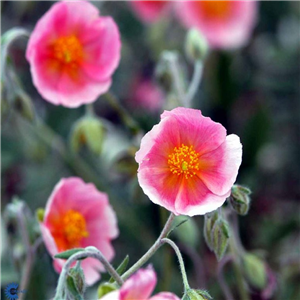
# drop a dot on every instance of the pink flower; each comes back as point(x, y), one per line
point(226, 24)
point(139, 287)
point(149, 11)
point(187, 164)
point(78, 215)
point(148, 96)
point(73, 53)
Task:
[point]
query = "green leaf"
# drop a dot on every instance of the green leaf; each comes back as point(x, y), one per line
point(176, 226)
point(121, 268)
point(67, 254)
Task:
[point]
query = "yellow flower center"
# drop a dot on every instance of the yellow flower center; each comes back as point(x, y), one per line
point(215, 9)
point(74, 228)
point(184, 160)
point(68, 49)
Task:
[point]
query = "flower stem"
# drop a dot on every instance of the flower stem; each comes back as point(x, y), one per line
point(181, 263)
point(152, 250)
point(88, 252)
point(197, 76)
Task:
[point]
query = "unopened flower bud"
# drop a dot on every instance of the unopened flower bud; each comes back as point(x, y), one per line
point(196, 46)
point(196, 295)
point(220, 238)
point(105, 288)
point(87, 131)
point(163, 74)
point(78, 276)
point(40, 213)
point(209, 222)
point(239, 199)
point(255, 270)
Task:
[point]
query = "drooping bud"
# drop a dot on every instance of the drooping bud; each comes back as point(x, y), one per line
point(196, 46)
point(105, 288)
point(87, 131)
point(209, 222)
point(255, 270)
point(216, 233)
point(220, 238)
point(196, 295)
point(239, 199)
point(77, 276)
point(163, 73)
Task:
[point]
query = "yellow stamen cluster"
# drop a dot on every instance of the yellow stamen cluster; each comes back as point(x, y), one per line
point(184, 161)
point(68, 49)
point(74, 228)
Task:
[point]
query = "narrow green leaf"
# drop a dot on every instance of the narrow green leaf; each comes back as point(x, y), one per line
point(121, 268)
point(67, 254)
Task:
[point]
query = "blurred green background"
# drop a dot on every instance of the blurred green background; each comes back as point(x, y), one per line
point(253, 92)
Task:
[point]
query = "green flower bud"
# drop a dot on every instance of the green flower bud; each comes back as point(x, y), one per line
point(255, 270)
point(163, 74)
point(87, 131)
point(40, 213)
point(239, 199)
point(196, 295)
point(105, 288)
point(196, 46)
point(220, 238)
point(78, 277)
point(209, 222)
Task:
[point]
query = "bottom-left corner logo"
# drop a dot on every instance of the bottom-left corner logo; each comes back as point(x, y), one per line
point(11, 291)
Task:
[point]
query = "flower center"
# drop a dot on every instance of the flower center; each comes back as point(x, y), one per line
point(184, 160)
point(215, 9)
point(68, 49)
point(74, 228)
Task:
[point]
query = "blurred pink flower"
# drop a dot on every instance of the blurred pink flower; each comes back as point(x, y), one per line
point(139, 287)
point(149, 11)
point(78, 215)
point(225, 24)
point(73, 53)
point(187, 164)
point(147, 95)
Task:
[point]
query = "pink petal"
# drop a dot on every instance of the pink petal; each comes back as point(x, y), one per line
point(194, 198)
point(164, 296)
point(103, 51)
point(220, 166)
point(195, 129)
point(230, 32)
point(139, 286)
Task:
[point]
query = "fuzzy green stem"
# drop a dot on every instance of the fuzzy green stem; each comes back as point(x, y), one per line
point(181, 263)
point(194, 85)
point(152, 250)
point(88, 252)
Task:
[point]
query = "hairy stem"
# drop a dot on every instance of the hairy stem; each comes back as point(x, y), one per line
point(181, 263)
point(152, 250)
point(194, 85)
point(88, 252)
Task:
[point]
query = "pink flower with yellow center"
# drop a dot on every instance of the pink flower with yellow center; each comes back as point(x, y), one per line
point(140, 287)
point(187, 164)
point(149, 11)
point(78, 215)
point(225, 24)
point(73, 53)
